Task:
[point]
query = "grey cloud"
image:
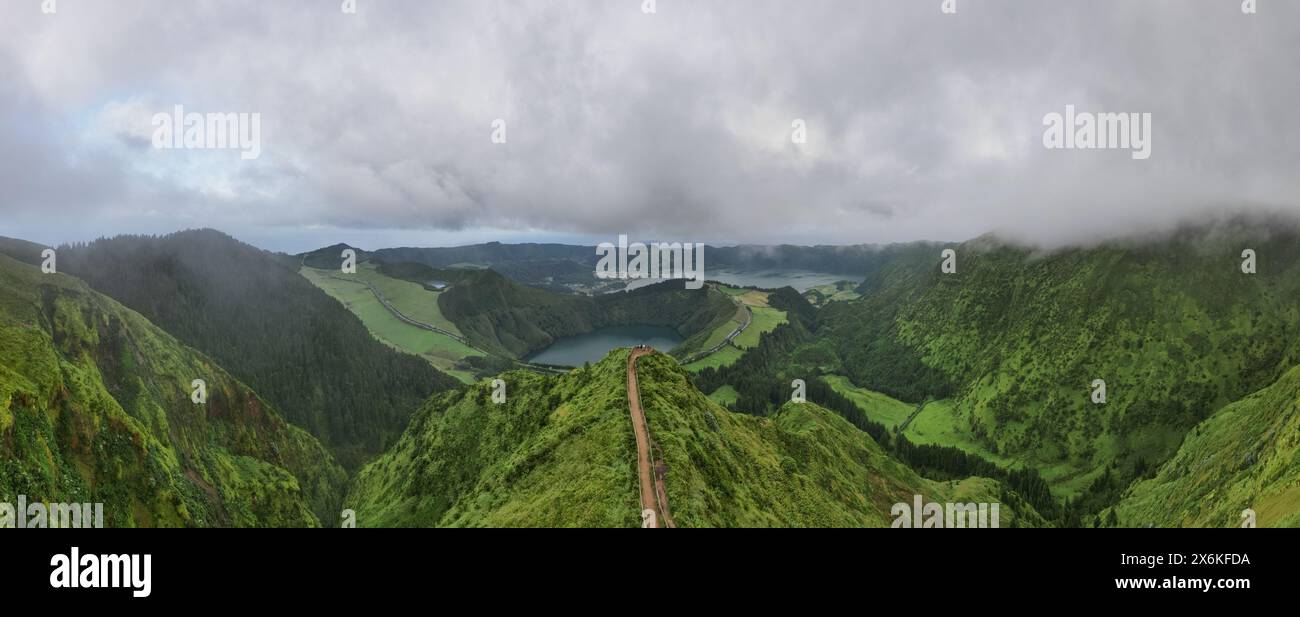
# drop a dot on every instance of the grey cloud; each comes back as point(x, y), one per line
point(921, 125)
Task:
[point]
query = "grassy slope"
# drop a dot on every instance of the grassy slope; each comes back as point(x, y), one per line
point(95, 407)
point(513, 320)
point(413, 300)
point(1174, 327)
point(726, 395)
point(720, 333)
point(251, 311)
point(560, 452)
point(1247, 455)
point(722, 357)
point(842, 291)
point(507, 318)
point(879, 407)
point(765, 319)
point(802, 466)
point(939, 424)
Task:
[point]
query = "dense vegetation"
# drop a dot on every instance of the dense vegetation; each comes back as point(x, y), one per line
point(330, 257)
point(762, 380)
point(1245, 456)
point(95, 407)
point(443, 348)
point(989, 369)
point(491, 254)
point(511, 319)
point(560, 452)
point(554, 267)
point(269, 327)
point(1173, 326)
point(1013, 340)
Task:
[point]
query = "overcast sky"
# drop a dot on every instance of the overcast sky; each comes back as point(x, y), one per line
point(376, 127)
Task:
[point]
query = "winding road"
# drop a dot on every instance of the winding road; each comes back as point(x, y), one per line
point(654, 496)
point(419, 324)
point(749, 319)
point(902, 427)
point(402, 316)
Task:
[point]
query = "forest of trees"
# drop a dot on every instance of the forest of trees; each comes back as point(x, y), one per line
point(762, 378)
point(264, 323)
point(512, 319)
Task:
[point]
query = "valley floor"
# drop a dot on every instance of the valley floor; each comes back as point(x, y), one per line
point(411, 299)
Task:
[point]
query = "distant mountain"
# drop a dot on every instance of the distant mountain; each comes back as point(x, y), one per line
point(558, 267)
point(548, 266)
point(560, 452)
point(824, 258)
point(856, 259)
point(269, 327)
point(330, 257)
point(95, 406)
point(487, 255)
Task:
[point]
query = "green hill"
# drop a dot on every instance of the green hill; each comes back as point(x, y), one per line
point(1017, 337)
point(22, 250)
point(95, 407)
point(513, 320)
point(556, 267)
point(270, 327)
point(560, 452)
point(1246, 455)
point(329, 257)
point(443, 350)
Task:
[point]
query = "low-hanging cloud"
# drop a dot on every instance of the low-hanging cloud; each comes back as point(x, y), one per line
point(920, 125)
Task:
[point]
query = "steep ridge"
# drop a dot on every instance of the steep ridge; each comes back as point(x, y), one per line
point(1244, 457)
point(557, 452)
point(1173, 326)
point(269, 326)
point(95, 407)
point(650, 468)
point(560, 451)
point(802, 466)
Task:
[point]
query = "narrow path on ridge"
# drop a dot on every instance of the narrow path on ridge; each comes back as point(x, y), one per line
point(654, 496)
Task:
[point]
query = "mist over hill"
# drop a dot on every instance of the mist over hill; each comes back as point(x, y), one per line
point(992, 364)
point(250, 311)
point(96, 407)
point(1016, 337)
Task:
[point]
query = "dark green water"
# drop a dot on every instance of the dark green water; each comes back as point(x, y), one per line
point(594, 346)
